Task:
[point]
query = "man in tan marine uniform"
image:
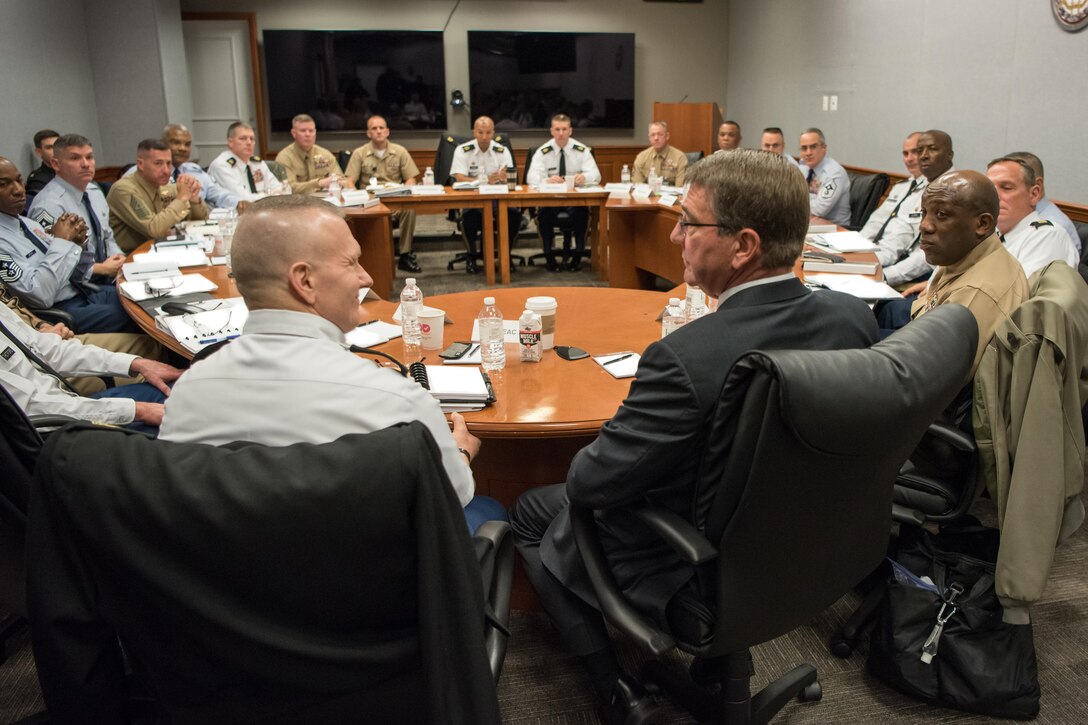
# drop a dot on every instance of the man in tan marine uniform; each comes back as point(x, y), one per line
point(309, 166)
point(667, 161)
point(390, 163)
point(145, 205)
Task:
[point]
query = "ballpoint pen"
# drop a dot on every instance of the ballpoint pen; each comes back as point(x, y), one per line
point(368, 322)
point(472, 350)
point(617, 359)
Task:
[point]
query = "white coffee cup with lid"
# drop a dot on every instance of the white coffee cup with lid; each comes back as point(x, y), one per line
point(545, 307)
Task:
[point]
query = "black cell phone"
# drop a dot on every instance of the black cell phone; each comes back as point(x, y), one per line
point(454, 351)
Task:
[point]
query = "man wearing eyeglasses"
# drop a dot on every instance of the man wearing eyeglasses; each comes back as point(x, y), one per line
point(742, 226)
point(828, 183)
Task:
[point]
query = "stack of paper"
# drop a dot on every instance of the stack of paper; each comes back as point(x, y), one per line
point(372, 333)
point(842, 242)
point(221, 320)
point(854, 284)
point(185, 284)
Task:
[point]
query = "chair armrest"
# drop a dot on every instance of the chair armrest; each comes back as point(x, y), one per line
point(613, 605)
point(688, 543)
point(495, 552)
point(953, 436)
point(903, 515)
point(54, 315)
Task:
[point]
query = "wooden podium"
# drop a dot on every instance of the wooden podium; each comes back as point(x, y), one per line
point(692, 126)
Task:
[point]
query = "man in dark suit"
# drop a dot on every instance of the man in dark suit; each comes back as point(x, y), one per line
point(742, 227)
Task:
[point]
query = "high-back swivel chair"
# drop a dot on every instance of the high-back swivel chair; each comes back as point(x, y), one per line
point(794, 504)
point(305, 583)
point(866, 191)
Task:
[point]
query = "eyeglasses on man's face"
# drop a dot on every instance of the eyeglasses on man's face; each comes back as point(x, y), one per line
point(685, 225)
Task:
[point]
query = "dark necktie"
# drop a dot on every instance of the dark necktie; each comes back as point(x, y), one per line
point(249, 178)
point(562, 163)
point(96, 229)
point(32, 237)
point(34, 359)
point(895, 211)
point(174, 175)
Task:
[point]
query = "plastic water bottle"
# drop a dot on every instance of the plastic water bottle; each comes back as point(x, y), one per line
point(625, 175)
point(694, 304)
point(492, 349)
point(673, 319)
point(651, 179)
point(334, 188)
point(411, 302)
point(530, 331)
point(428, 177)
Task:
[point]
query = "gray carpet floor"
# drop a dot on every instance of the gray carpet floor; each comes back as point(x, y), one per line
point(541, 685)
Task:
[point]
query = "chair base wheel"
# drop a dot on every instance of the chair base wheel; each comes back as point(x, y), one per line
point(842, 647)
point(812, 693)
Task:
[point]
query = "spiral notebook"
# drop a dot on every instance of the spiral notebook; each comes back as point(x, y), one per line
point(466, 388)
point(197, 330)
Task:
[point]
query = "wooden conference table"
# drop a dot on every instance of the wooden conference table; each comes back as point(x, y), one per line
point(545, 412)
point(377, 251)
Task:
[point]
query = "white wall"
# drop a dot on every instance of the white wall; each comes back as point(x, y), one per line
point(47, 81)
point(671, 41)
point(998, 75)
point(175, 71)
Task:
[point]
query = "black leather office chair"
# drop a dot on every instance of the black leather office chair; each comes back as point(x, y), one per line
point(307, 583)
point(563, 221)
point(694, 157)
point(866, 191)
point(20, 446)
point(342, 158)
point(794, 505)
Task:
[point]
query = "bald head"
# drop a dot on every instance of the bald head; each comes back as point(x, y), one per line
point(484, 131)
point(273, 234)
point(297, 253)
point(934, 153)
point(959, 211)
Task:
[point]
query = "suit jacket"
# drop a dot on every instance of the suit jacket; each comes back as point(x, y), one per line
point(652, 449)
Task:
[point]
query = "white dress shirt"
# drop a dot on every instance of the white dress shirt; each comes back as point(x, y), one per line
point(229, 172)
point(1035, 242)
point(579, 161)
point(289, 379)
point(39, 393)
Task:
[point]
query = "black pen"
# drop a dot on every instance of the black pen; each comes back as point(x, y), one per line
point(369, 322)
point(617, 359)
point(472, 349)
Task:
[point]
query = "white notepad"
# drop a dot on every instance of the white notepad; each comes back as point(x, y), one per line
point(619, 364)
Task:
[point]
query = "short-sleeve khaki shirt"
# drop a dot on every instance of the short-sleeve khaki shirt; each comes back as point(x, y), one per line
point(395, 167)
point(670, 166)
point(306, 169)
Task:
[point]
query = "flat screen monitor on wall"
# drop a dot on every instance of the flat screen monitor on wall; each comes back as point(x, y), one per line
point(342, 77)
point(522, 79)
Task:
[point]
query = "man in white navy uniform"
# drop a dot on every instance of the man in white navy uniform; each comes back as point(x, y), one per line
point(73, 191)
point(560, 157)
point(1046, 208)
point(893, 227)
point(290, 377)
point(828, 184)
point(180, 141)
point(482, 158)
point(240, 172)
point(1034, 241)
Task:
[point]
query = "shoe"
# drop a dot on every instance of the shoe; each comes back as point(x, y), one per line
point(575, 265)
point(550, 264)
point(630, 705)
point(407, 262)
point(471, 267)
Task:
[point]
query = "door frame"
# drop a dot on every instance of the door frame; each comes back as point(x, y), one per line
point(254, 64)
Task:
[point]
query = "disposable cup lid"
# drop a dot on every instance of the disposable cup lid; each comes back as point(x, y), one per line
point(541, 303)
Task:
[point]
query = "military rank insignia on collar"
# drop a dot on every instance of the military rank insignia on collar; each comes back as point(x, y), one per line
point(232, 161)
point(545, 150)
point(467, 147)
point(497, 146)
point(255, 158)
point(1042, 223)
point(579, 147)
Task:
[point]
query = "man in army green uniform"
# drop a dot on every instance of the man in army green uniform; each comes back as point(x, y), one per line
point(144, 205)
point(668, 162)
point(309, 166)
point(389, 163)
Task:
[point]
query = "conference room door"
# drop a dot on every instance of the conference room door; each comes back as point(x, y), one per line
point(221, 79)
